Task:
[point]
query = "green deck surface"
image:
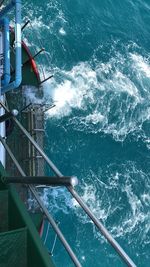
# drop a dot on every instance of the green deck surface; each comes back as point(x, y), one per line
point(20, 244)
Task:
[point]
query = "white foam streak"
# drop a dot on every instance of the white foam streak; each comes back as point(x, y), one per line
point(141, 64)
point(123, 84)
point(72, 91)
point(30, 93)
point(95, 204)
point(57, 200)
point(146, 199)
point(96, 92)
point(95, 117)
point(102, 201)
point(62, 31)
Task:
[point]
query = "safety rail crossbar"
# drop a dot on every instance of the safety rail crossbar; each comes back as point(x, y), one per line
point(8, 115)
point(44, 209)
point(41, 180)
point(82, 204)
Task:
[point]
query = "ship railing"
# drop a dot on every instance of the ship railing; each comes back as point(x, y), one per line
point(75, 195)
point(27, 37)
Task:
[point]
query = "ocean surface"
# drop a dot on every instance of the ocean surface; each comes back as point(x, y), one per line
point(99, 130)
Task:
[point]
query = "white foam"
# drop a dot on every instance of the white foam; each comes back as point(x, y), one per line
point(62, 31)
point(135, 216)
point(57, 200)
point(95, 118)
point(72, 90)
point(30, 95)
point(146, 198)
point(100, 197)
point(93, 201)
point(141, 64)
point(99, 87)
point(94, 92)
point(123, 84)
point(37, 23)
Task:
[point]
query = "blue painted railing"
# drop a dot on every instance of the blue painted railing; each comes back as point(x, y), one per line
point(5, 23)
point(6, 86)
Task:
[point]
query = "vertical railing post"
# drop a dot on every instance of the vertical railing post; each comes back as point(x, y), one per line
point(6, 51)
point(18, 58)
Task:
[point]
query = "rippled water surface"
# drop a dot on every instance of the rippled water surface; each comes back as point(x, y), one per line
point(99, 53)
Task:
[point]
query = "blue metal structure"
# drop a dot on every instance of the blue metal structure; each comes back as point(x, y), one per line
point(6, 86)
point(5, 23)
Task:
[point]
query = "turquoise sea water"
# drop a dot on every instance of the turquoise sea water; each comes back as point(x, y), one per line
point(99, 53)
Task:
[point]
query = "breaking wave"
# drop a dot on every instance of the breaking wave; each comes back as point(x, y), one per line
point(110, 99)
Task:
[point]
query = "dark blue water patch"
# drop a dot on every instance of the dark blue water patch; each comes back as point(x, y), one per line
point(88, 24)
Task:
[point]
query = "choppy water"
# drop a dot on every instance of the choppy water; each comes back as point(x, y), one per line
point(99, 52)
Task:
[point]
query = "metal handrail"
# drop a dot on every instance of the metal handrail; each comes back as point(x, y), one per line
point(44, 209)
point(41, 180)
point(2, 2)
point(99, 225)
point(18, 73)
point(8, 115)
